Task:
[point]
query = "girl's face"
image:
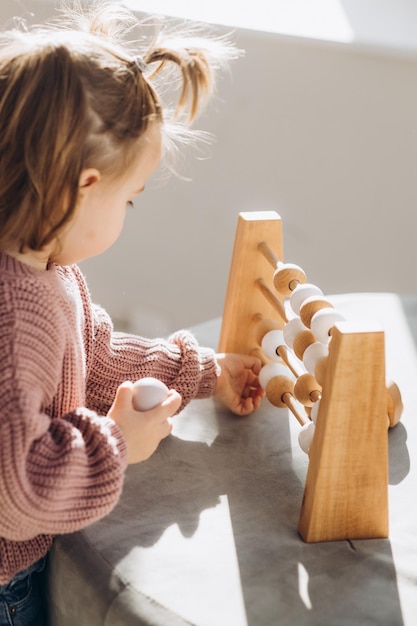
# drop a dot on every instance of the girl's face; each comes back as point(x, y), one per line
point(101, 210)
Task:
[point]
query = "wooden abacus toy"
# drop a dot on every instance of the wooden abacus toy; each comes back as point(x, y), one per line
point(328, 371)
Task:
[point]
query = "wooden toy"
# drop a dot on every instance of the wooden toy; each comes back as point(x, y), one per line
point(328, 371)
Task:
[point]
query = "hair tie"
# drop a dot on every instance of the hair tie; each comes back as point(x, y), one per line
point(140, 63)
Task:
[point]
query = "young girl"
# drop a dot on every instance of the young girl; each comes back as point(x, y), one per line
point(81, 130)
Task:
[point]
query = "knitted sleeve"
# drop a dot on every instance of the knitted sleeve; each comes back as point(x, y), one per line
point(178, 361)
point(59, 471)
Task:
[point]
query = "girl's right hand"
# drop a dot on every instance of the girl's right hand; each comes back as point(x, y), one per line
point(143, 430)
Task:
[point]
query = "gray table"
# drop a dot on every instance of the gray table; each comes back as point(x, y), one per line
point(205, 532)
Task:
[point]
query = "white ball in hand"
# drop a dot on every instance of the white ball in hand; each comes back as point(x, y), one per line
point(148, 393)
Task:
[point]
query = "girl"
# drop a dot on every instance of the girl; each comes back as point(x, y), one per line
point(81, 129)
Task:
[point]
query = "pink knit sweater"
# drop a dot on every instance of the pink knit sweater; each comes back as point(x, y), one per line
point(62, 461)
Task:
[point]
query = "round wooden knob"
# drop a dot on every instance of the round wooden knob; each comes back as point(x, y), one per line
point(286, 278)
point(394, 404)
point(307, 390)
point(276, 389)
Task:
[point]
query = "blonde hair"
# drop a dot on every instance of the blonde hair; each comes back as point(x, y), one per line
point(74, 94)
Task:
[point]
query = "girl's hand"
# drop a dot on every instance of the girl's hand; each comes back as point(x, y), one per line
point(143, 430)
point(238, 385)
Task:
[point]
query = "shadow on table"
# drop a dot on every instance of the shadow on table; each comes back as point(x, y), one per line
point(286, 581)
point(283, 580)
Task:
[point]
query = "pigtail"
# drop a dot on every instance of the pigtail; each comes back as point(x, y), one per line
point(197, 59)
point(162, 45)
point(196, 76)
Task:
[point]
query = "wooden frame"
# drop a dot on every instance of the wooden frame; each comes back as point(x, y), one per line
point(244, 297)
point(346, 490)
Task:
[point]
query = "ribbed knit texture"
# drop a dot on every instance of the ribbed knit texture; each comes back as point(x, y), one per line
point(62, 461)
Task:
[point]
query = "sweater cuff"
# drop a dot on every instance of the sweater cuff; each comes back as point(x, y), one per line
point(197, 377)
point(119, 440)
point(210, 371)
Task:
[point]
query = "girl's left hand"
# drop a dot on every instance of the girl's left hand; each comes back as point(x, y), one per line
point(238, 385)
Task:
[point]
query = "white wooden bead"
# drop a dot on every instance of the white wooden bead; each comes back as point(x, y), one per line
point(291, 329)
point(323, 321)
point(270, 342)
point(300, 293)
point(270, 370)
point(148, 393)
point(313, 354)
point(305, 436)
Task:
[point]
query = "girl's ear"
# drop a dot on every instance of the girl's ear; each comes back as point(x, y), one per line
point(89, 177)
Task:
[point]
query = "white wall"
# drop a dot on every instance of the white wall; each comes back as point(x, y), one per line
point(324, 134)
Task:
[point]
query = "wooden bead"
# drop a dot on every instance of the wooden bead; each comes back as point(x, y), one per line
point(291, 329)
point(301, 343)
point(313, 354)
point(276, 388)
point(286, 278)
point(272, 370)
point(271, 341)
point(306, 389)
point(394, 404)
point(323, 321)
point(263, 325)
point(310, 306)
point(301, 293)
